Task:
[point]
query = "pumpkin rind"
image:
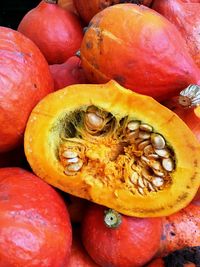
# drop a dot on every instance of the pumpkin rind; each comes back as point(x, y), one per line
point(25, 78)
point(42, 152)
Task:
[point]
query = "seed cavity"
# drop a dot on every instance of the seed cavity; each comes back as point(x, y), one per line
point(112, 150)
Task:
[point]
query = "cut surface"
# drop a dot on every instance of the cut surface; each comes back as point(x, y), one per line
point(114, 147)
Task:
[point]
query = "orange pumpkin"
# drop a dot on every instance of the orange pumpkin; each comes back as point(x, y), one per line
point(112, 239)
point(114, 147)
point(186, 257)
point(186, 18)
point(87, 9)
point(181, 229)
point(35, 229)
point(140, 49)
point(61, 31)
point(25, 79)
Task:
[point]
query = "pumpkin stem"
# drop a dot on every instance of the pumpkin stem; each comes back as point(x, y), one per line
point(51, 1)
point(190, 97)
point(78, 53)
point(112, 218)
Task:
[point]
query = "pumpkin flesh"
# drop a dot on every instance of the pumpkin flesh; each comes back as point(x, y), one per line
point(99, 165)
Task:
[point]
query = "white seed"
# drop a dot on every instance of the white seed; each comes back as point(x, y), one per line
point(157, 141)
point(75, 166)
point(133, 125)
point(140, 190)
point(151, 188)
point(69, 173)
point(155, 165)
point(144, 135)
point(146, 127)
point(133, 135)
point(158, 181)
point(94, 121)
point(164, 153)
point(168, 164)
point(159, 173)
point(73, 160)
point(153, 156)
point(143, 144)
point(69, 154)
point(141, 183)
point(134, 178)
point(146, 160)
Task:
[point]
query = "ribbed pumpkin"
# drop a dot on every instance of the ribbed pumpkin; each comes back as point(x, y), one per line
point(25, 78)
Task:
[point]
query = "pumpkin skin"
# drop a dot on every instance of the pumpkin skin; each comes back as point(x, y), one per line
point(150, 57)
point(181, 229)
point(34, 224)
point(25, 79)
point(61, 31)
point(109, 246)
point(186, 257)
point(185, 17)
point(99, 158)
point(79, 256)
point(68, 5)
point(76, 208)
point(88, 9)
point(67, 73)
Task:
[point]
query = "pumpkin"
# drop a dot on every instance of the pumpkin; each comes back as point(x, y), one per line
point(35, 228)
point(186, 106)
point(61, 31)
point(108, 236)
point(140, 49)
point(68, 5)
point(114, 147)
point(76, 208)
point(24, 79)
point(186, 18)
point(79, 256)
point(67, 73)
point(181, 229)
point(87, 9)
point(186, 257)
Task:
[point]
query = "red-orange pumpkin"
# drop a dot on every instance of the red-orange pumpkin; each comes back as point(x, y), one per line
point(185, 16)
point(87, 9)
point(35, 229)
point(57, 32)
point(186, 257)
point(181, 229)
point(24, 79)
point(116, 240)
point(67, 73)
point(140, 49)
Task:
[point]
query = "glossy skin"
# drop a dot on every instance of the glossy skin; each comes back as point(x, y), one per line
point(141, 50)
point(87, 9)
point(132, 244)
point(185, 16)
point(181, 229)
point(68, 5)
point(24, 79)
point(35, 230)
point(67, 73)
point(61, 31)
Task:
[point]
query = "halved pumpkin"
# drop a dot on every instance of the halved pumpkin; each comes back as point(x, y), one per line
point(114, 147)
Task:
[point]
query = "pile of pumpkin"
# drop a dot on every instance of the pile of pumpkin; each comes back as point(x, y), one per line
point(100, 135)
